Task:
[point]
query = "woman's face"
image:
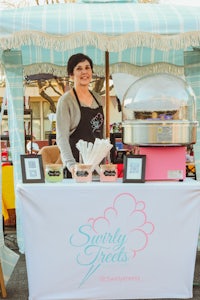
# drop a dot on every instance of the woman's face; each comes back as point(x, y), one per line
point(82, 73)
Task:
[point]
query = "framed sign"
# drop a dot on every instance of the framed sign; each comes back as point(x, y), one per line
point(134, 168)
point(32, 168)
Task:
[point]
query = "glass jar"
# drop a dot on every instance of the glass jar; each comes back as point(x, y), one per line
point(83, 173)
point(108, 173)
point(54, 173)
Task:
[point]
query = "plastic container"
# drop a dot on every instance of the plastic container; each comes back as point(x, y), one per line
point(108, 173)
point(83, 173)
point(54, 173)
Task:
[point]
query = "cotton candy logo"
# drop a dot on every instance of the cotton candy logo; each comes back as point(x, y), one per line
point(97, 122)
point(115, 237)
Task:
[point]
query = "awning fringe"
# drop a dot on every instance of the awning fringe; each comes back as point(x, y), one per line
point(60, 71)
point(101, 41)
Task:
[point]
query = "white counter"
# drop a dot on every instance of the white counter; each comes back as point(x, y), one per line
point(110, 240)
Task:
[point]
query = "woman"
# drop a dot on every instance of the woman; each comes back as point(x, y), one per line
point(79, 113)
point(32, 147)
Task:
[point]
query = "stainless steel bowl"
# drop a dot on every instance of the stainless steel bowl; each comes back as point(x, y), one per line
point(170, 133)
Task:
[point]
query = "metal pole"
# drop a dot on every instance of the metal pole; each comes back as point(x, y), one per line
point(107, 77)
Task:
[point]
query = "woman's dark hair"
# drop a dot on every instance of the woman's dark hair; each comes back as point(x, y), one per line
point(75, 60)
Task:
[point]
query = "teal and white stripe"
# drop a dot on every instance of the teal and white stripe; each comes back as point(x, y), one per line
point(107, 26)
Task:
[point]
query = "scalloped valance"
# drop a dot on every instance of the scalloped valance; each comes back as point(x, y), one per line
point(60, 71)
point(101, 41)
point(114, 68)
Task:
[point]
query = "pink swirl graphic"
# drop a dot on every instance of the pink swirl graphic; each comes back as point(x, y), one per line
point(132, 218)
point(115, 237)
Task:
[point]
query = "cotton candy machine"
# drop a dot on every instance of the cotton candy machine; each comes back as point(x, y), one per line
point(159, 111)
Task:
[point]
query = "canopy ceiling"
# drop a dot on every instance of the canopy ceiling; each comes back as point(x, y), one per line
point(136, 34)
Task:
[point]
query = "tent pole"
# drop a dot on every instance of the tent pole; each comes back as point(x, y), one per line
point(107, 77)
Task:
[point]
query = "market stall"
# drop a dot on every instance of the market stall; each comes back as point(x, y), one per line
point(135, 38)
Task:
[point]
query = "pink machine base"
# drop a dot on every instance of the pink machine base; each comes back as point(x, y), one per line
point(165, 163)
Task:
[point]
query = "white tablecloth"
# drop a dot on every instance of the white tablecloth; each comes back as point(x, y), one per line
point(110, 240)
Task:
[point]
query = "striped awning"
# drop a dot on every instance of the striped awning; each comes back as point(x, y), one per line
point(51, 33)
point(107, 26)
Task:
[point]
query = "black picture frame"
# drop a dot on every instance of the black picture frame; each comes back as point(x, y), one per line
point(32, 168)
point(134, 168)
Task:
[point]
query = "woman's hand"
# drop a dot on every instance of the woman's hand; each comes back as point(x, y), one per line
point(72, 170)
